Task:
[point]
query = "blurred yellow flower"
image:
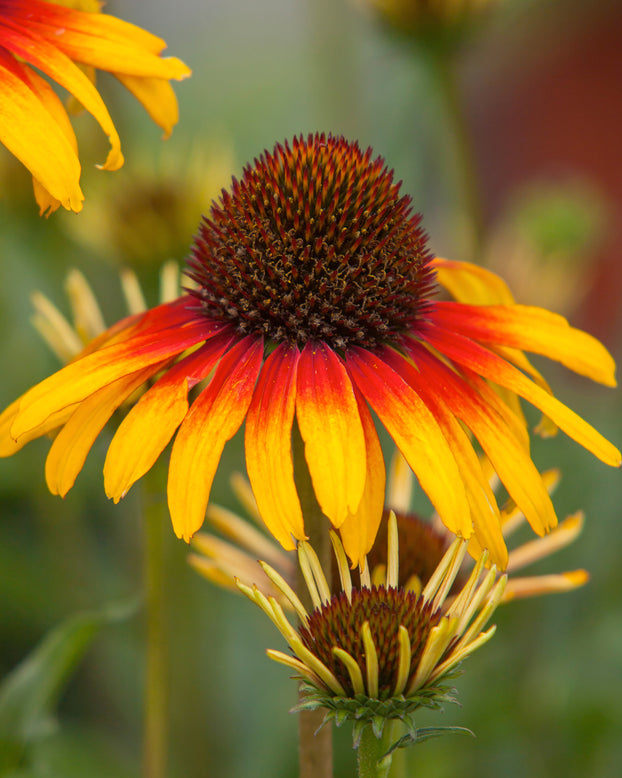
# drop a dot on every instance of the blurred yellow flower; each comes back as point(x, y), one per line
point(68, 45)
point(415, 16)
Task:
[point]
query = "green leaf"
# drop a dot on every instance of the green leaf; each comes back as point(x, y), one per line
point(28, 695)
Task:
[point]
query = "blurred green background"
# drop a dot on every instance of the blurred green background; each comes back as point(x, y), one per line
point(540, 83)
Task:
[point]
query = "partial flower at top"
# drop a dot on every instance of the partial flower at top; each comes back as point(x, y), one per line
point(61, 42)
point(314, 296)
point(424, 18)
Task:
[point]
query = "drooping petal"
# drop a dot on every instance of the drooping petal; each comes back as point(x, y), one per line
point(215, 416)
point(532, 329)
point(469, 283)
point(268, 446)
point(487, 364)
point(87, 375)
point(158, 98)
point(416, 433)
point(31, 134)
point(75, 440)
point(330, 425)
point(148, 427)
point(432, 389)
point(358, 532)
point(48, 203)
point(48, 58)
point(507, 455)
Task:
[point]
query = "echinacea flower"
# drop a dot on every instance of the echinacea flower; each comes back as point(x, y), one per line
point(58, 41)
point(314, 296)
point(378, 652)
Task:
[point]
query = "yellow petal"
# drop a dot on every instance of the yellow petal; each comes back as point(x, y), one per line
point(215, 416)
point(32, 134)
point(330, 425)
point(358, 532)
point(158, 98)
point(469, 283)
point(75, 440)
point(268, 446)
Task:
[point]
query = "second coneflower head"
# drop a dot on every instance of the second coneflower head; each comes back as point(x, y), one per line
point(314, 300)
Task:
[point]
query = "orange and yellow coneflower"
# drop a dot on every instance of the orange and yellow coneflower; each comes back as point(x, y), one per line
point(314, 302)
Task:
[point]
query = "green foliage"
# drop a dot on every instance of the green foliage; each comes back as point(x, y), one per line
point(30, 692)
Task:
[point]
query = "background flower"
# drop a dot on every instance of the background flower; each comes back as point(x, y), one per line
point(51, 38)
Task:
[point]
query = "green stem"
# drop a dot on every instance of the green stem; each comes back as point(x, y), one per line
point(155, 733)
point(441, 64)
point(371, 751)
point(315, 751)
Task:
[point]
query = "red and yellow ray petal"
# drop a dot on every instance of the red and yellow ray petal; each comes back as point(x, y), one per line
point(506, 453)
point(9, 446)
point(157, 97)
point(484, 510)
point(268, 446)
point(100, 40)
point(75, 440)
point(469, 283)
point(146, 430)
point(215, 416)
point(487, 364)
point(58, 16)
point(51, 60)
point(330, 425)
point(532, 329)
point(416, 433)
point(88, 374)
point(358, 532)
point(31, 134)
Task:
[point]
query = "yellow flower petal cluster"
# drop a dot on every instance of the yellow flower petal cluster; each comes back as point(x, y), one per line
point(68, 45)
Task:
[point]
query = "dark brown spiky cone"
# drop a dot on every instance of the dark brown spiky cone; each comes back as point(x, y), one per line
point(314, 243)
point(340, 623)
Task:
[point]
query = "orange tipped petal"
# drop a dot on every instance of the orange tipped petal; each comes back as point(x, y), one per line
point(531, 329)
point(416, 433)
point(75, 440)
point(268, 446)
point(330, 425)
point(146, 430)
point(507, 455)
point(215, 416)
point(482, 502)
point(101, 40)
point(85, 376)
point(48, 58)
point(487, 364)
point(358, 532)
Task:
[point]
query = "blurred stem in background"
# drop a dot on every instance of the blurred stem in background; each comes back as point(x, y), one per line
point(315, 750)
point(440, 61)
point(156, 694)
